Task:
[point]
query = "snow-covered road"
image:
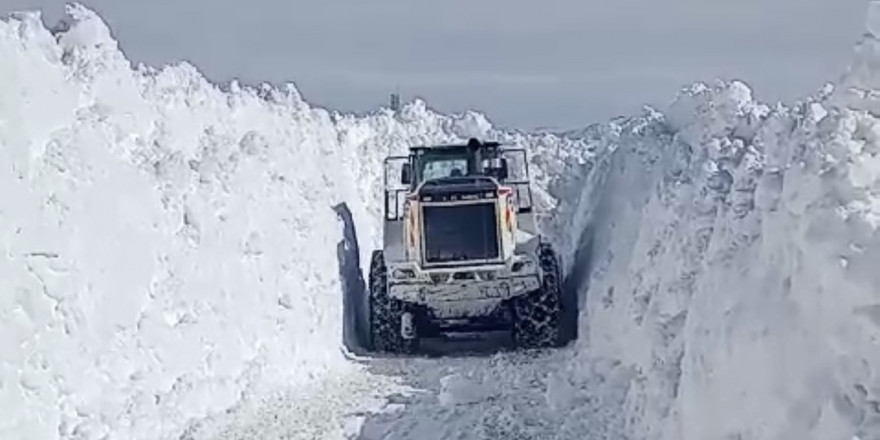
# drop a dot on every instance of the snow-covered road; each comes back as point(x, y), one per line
point(166, 272)
point(511, 396)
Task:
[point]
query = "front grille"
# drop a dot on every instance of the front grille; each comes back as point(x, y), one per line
point(460, 233)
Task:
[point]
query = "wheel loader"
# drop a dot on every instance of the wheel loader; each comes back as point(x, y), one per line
point(462, 253)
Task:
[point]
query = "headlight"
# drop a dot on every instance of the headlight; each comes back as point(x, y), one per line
point(521, 265)
point(438, 278)
point(488, 275)
point(403, 273)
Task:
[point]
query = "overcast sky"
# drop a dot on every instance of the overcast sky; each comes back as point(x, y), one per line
point(526, 63)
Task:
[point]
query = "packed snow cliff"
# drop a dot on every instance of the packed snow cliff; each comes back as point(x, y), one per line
point(734, 263)
point(169, 249)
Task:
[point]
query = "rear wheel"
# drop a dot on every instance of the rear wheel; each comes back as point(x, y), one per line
point(386, 313)
point(538, 315)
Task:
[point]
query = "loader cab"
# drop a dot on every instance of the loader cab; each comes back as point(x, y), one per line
point(454, 161)
point(454, 165)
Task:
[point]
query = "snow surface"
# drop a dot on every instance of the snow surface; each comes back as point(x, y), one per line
point(159, 236)
point(170, 267)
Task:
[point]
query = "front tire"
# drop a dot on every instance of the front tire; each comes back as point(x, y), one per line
point(537, 316)
point(385, 312)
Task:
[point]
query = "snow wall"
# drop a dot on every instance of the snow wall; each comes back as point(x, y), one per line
point(170, 247)
point(734, 268)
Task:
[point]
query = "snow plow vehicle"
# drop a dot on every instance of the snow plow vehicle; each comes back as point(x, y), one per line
point(462, 252)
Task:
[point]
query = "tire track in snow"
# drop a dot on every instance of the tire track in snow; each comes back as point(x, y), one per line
point(516, 395)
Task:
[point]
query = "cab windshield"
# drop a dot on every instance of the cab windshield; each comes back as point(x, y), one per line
point(442, 167)
point(443, 164)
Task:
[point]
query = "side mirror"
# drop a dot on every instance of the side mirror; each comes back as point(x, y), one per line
point(406, 174)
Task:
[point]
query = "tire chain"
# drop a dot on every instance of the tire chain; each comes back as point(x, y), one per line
point(385, 312)
point(539, 313)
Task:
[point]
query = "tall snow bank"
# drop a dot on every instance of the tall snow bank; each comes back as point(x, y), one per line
point(734, 264)
point(169, 248)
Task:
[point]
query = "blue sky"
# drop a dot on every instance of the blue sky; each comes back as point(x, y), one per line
point(559, 63)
